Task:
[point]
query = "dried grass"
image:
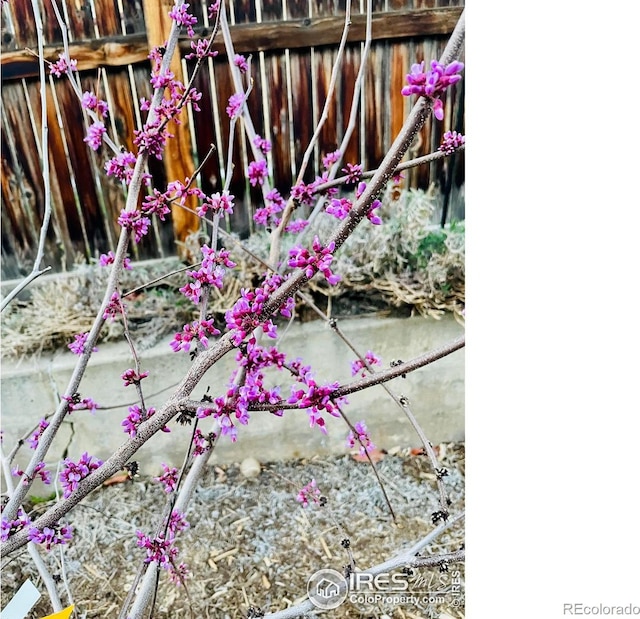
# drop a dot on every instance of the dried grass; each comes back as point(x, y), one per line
point(389, 264)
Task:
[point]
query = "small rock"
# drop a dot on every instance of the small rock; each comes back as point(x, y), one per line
point(250, 467)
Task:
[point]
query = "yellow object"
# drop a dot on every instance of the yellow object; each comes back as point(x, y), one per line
point(63, 614)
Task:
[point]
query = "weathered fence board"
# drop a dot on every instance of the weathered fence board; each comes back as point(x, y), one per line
point(293, 45)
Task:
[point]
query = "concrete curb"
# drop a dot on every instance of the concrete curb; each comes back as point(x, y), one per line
point(435, 393)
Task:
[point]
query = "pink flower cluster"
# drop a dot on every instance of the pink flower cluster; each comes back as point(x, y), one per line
point(131, 377)
point(34, 439)
point(9, 527)
point(94, 135)
point(262, 144)
point(210, 273)
point(353, 173)
point(320, 260)
point(91, 102)
point(451, 140)
point(257, 172)
point(274, 204)
point(201, 49)
point(163, 549)
point(39, 471)
point(73, 472)
point(330, 158)
point(80, 404)
point(358, 366)
point(121, 166)
point(200, 330)
point(77, 346)
point(169, 479)
point(235, 104)
point(433, 82)
point(246, 314)
point(313, 397)
point(62, 65)
point(114, 307)
point(201, 443)
point(135, 222)
point(217, 203)
point(109, 258)
point(241, 62)
point(137, 416)
point(50, 536)
point(223, 409)
point(361, 437)
point(309, 494)
point(180, 14)
point(181, 191)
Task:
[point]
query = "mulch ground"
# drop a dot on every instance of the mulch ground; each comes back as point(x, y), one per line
point(251, 546)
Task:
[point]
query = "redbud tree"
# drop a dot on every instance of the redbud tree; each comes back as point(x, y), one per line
point(250, 328)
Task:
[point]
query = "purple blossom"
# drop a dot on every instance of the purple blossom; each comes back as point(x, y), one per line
point(9, 527)
point(157, 203)
point(361, 437)
point(235, 105)
point(330, 158)
point(94, 135)
point(296, 226)
point(73, 472)
point(262, 144)
point(114, 307)
point(152, 138)
point(303, 193)
point(213, 9)
point(178, 573)
point(246, 314)
point(39, 471)
point(339, 208)
point(91, 102)
point(371, 216)
point(34, 439)
point(159, 549)
point(451, 140)
point(201, 443)
point(169, 479)
point(274, 203)
point(210, 273)
point(358, 366)
point(121, 166)
point(309, 494)
point(199, 330)
point(217, 203)
point(257, 172)
point(109, 258)
point(134, 221)
point(131, 377)
point(353, 173)
point(182, 17)
point(315, 399)
point(201, 49)
point(77, 346)
point(79, 404)
point(312, 263)
point(62, 66)
point(183, 191)
point(48, 536)
point(241, 62)
point(137, 416)
point(432, 82)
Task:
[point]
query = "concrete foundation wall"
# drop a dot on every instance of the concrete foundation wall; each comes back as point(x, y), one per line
point(435, 393)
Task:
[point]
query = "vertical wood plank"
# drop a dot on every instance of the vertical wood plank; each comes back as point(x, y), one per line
point(178, 160)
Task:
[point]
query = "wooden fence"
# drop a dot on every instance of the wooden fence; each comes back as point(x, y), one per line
point(293, 44)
